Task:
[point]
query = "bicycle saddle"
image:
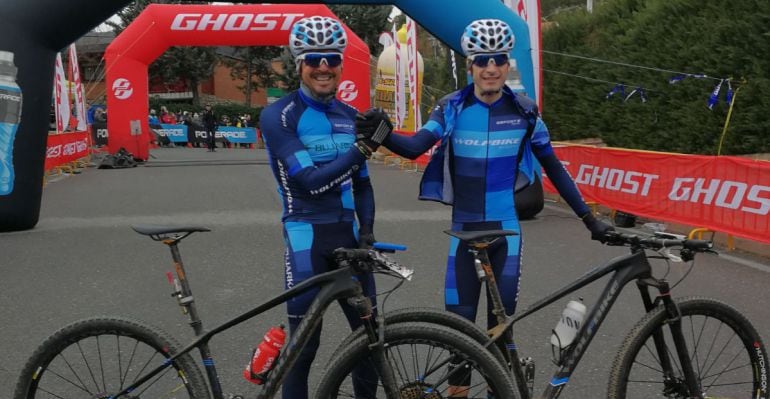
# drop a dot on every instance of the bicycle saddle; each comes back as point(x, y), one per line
point(158, 230)
point(481, 235)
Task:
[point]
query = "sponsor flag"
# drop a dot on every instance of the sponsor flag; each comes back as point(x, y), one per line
point(80, 97)
point(412, 63)
point(714, 98)
point(61, 98)
point(676, 79)
point(400, 97)
point(730, 93)
point(619, 88)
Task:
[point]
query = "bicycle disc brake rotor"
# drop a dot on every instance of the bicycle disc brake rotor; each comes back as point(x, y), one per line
point(417, 390)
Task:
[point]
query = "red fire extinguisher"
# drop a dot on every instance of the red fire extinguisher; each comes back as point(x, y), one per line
point(264, 356)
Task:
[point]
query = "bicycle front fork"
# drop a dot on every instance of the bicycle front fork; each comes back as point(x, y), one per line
point(375, 331)
point(674, 321)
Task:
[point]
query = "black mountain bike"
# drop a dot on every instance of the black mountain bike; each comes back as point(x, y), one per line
point(681, 348)
point(111, 357)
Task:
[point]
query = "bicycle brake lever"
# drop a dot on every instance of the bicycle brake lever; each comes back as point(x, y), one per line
point(666, 252)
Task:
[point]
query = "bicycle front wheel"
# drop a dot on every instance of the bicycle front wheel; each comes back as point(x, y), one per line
point(418, 355)
point(726, 353)
point(97, 358)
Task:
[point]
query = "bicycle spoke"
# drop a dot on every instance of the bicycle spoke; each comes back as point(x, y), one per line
point(82, 385)
point(88, 366)
point(120, 362)
point(101, 363)
point(124, 378)
point(147, 386)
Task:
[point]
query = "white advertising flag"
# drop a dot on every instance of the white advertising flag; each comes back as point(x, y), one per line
point(412, 62)
point(80, 99)
point(62, 102)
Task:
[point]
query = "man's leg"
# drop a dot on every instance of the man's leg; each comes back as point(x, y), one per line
point(461, 295)
point(300, 264)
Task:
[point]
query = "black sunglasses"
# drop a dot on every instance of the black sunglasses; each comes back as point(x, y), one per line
point(314, 60)
point(483, 60)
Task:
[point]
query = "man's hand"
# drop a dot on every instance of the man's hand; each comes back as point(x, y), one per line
point(373, 127)
point(596, 227)
point(366, 240)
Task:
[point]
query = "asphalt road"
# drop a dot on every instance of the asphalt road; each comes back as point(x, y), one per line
point(83, 260)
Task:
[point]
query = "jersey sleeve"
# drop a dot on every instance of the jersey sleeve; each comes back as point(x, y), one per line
point(279, 132)
point(543, 150)
point(413, 146)
point(364, 198)
point(541, 140)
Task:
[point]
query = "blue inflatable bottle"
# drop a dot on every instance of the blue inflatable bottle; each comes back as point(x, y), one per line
point(10, 115)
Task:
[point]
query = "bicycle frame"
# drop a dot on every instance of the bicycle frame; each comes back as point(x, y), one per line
point(626, 268)
point(334, 285)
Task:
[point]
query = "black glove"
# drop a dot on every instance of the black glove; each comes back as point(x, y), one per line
point(365, 237)
point(597, 228)
point(373, 127)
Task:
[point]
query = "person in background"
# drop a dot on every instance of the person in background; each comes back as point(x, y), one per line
point(154, 118)
point(209, 120)
point(320, 168)
point(487, 134)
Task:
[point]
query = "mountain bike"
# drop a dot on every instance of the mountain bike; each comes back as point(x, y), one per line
point(682, 348)
point(113, 357)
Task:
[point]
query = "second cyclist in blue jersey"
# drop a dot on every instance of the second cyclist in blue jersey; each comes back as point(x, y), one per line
point(320, 168)
point(488, 135)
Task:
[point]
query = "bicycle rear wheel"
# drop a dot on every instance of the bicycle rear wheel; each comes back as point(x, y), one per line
point(726, 352)
point(417, 355)
point(97, 358)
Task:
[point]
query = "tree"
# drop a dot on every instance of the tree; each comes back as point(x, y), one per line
point(255, 66)
point(722, 39)
point(366, 21)
point(189, 65)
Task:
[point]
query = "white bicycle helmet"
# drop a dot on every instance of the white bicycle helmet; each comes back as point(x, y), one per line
point(487, 36)
point(317, 33)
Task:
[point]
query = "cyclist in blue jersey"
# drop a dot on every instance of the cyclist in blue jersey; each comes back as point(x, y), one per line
point(488, 134)
point(320, 168)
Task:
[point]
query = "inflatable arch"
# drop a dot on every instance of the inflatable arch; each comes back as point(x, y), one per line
point(35, 30)
point(161, 26)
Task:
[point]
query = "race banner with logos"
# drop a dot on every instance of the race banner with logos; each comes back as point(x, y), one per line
point(726, 194)
point(192, 133)
point(65, 147)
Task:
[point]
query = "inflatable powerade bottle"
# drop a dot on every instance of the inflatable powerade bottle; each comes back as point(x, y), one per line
point(10, 115)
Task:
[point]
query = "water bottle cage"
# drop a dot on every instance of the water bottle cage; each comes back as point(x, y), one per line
point(261, 376)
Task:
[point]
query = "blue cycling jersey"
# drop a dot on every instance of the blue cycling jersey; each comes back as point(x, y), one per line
point(309, 146)
point(476, 167)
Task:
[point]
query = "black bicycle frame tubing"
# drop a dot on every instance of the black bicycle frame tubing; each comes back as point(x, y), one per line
point(657, 335)
point(336, 289)
point(340, 281)
point(627, 269)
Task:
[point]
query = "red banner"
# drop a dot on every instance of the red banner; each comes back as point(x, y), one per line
point(726, 194)
point(65, 147)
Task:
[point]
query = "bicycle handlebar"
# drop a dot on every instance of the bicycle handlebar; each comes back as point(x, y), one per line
point(371, 260)
point(632, 240)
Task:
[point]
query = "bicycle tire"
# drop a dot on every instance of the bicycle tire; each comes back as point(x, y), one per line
point(433, 316)
point(440, 342)
point(635, 364)
point(99, 356)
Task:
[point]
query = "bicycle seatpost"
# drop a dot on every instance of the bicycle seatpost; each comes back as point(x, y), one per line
point(183, 292)
point(485, 273)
